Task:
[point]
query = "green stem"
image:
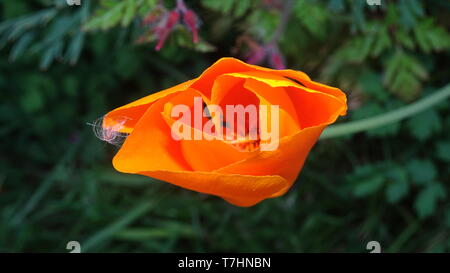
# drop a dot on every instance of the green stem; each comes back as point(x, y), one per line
point(387, 118)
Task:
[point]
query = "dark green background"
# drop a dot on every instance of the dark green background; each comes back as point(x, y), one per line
point(57, 184)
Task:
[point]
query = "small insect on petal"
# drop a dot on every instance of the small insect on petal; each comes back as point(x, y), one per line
point(110, 134)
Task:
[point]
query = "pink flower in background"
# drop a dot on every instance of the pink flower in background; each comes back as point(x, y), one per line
point(163, 21)
point(274, 4)
point(258, 54)
point(190, 19)
point(163, 29)
point(276, 59)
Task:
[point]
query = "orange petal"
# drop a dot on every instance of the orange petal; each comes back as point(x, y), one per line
point(202, 154)
point(132, 112)
point(150, 145)
point(207, 155)
point(300, 77)
point(268, 89)
point(205, 81)
point(226, 65)
point(315, 108)
point(240, 190)
point(286, 161)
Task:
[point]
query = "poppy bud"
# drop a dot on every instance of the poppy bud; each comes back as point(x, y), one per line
point(244, 169)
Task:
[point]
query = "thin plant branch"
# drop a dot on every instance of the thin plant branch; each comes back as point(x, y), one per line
point(387, 118)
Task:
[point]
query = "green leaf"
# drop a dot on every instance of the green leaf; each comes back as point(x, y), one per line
point(426, 201)
point(336, 5)
point(422, 171)
point(404, 74)
point(108, 16)
point(410, 11)
point(236, 8)
point(60, 27)
point(242, 7)
point(130, 11)
point(425, 124)
point(184, 39)
point(382, 41)
point(32, 100)
point(430, 37)
point(371, 85)
point(50, 54)
point(112, 13)
point(358, 15)
point(447, 217)
point(312, 16)
point(20, 47)
point(395, 191)
point(405, 39)
point(369, 186)
point(356, 50)
point(398, 186)
point(443, 150)
point(45, 33)
point(75, 47)
point(17, 26)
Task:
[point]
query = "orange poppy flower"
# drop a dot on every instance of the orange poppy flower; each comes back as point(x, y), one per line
point(239, 172)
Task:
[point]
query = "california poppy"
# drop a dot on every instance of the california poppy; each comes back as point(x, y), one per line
point(238, 171)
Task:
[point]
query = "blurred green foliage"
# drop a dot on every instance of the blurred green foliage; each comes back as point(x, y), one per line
point(65, 66)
